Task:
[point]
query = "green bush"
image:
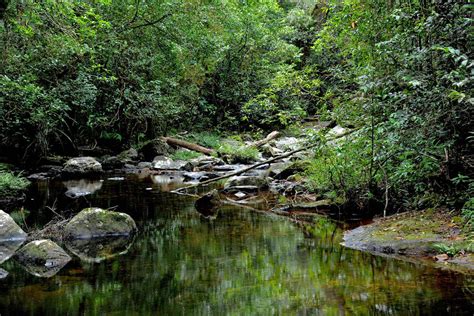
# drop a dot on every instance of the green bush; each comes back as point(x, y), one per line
point(11, 184)
point(235, 152)
point(184, 155)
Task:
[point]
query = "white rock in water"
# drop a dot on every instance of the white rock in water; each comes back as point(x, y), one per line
point(82, 166)
point(240, 194)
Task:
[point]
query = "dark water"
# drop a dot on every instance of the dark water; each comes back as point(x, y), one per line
point(240, 263)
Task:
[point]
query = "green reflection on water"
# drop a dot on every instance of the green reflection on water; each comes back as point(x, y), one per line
point(240, 263)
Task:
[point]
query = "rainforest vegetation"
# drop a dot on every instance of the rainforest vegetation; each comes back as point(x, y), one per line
point(115, 74)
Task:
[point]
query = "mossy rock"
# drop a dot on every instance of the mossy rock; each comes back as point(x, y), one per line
point(96, 222)
point(42, 258)
point(81, 166)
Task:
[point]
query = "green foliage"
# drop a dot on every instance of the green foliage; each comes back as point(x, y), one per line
point(112, 72)
point(184, 155)
point(402, 75)
point(468, 214)
point(11, 184)
point(235, 152)
point(454, 248)
point(206, 139)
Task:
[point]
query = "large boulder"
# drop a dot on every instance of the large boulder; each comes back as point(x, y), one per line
point(165, 163)
point(156, 147)
point(42, 258)
point(99, 249)
point(112, 162)
point(245, 183)
point(235, 181)
point(96, 222)
point(288, 143)
point(81, 166)
point(9, 230)
point(129, 155)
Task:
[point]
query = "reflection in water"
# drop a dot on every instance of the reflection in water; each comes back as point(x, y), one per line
point(78, 188)
point(8, 249)
point(99, 249)
point(239, 263)
point(167, 182)
point(42, 258)
point(3, 274)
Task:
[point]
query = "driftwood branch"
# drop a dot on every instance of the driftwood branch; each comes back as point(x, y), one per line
point(188, 145)
point(264, 141)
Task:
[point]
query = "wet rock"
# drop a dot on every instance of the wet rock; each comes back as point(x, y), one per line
point(288, 143)
point(111, 163)
point(42, 258)
point(82, 166)
point(78, 188)
point(255, 173)
point(165, 163)
point(208, 204)
point(199, 176)
point(99, 249)
point(38, 176)
point(3, 274)
point(206, 162)
point(130, 168)
point(96, 222)
point(244, 181)
point(240, 194)
point(9, 230)
point(129, 155)
point(286, 187)
point(226, 167)
point(441, 257)
point(8, 249)
point(270, 151)
point(156, 147)
point(289, 170)
point(337, 131)
point(144, 165)
point(46, 172)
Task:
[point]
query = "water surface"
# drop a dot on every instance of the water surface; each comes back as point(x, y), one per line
point(241, 262)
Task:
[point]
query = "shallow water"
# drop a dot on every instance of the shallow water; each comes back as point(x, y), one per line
point(241, 262)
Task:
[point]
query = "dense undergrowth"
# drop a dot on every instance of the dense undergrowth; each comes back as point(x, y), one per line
point(11, 184)
point(119, 73)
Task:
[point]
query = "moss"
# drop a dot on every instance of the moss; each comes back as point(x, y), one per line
point(238, 153)
point(185, 155)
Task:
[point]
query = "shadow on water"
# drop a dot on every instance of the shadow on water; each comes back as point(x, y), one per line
point(241, 262)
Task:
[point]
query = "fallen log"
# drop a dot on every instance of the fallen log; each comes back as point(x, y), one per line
point(260, 143)
point(194, 147)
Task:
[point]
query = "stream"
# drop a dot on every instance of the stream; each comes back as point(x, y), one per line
point(241, 262)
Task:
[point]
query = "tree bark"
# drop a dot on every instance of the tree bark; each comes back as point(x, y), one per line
point(188, 145)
